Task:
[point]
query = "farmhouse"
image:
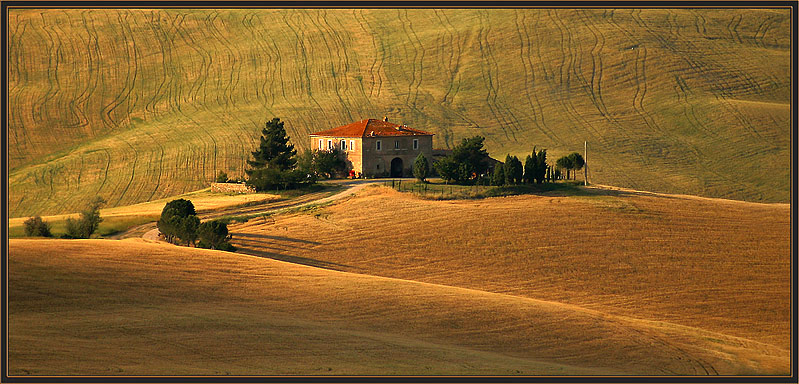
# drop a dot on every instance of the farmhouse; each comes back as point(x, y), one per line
point(375, 148)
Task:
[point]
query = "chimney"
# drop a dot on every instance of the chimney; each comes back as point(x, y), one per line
point(385, 118)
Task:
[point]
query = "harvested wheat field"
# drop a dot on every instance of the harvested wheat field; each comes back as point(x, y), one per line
point(709, 264)
point(133, 308)
point(140, 104)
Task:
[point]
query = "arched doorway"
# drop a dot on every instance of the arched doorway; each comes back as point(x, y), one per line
point(396, 167)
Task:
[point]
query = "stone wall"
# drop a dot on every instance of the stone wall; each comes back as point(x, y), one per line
point(231, 188)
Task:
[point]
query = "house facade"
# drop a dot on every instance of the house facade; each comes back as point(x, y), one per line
point(377, 148)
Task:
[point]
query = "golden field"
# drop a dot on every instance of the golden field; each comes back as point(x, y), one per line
point(718, 265)
point(122, 217)
point(602, 283)
point(136, 105)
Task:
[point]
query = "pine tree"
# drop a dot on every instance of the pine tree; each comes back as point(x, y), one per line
point(275, 150)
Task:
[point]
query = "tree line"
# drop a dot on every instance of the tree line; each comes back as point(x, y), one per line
point(82, 227)
point(469, 163)
point(276, 165)
point(179, 224)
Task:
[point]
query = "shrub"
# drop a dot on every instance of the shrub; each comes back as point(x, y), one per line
point(421, 168)
point(214, 235)
point(447, 168)
point(87, 224)
point(35, 226)
point(222, 177)
point(179, 221)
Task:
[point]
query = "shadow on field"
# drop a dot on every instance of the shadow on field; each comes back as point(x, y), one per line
point(272, 247)
point(603, 191)
point(278, 238)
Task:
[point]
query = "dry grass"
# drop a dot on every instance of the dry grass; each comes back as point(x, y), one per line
point(720, 266)
point(137, 105)
point(130, 307)
point(120, 218)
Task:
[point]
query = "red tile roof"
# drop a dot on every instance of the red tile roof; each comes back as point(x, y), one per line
point(372, 127)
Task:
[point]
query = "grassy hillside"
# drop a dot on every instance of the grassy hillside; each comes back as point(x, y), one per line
point(131, 308)
point(715, 265)
point(136, 105)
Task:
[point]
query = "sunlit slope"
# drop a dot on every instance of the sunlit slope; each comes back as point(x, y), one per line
point(142, 104)
point(716, 265)
point(130, 308)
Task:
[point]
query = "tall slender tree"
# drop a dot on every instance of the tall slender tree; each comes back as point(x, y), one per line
point(421, 167)
point(513, 170)
point(498, 178)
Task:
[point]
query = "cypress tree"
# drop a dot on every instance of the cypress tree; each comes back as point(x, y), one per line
point(529, 168)
point(498, 178)
point(421, 167)
point(513, 170)
point(540, 165)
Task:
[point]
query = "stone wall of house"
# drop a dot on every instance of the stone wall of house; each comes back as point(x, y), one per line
point(351, 149)
point(231, 188)
point(377, 163)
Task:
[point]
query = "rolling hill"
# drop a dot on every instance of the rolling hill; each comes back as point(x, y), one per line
point(136, 105)
point(718, 265)
point(100, 307)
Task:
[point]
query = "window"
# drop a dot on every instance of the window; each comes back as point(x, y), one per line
point(396, 144)
point(352, 145)
point(330, 145)
point(343, 145)
point(378, 145)
point(378, 166)
point(321, 144)
point(415, 143)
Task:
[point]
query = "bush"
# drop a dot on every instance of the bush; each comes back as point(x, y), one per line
point(35, 226)
point(272, 178)
point(421, 168)
point(447, 168)
point(179, 221)
point(222, 177)
point(214, 235)
point(87, 224)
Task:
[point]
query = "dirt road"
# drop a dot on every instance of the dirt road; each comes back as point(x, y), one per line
point(149, 232)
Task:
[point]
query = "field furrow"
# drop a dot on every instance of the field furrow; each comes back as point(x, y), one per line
point(671, 100)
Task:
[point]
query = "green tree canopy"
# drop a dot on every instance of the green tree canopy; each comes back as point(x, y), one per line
point(513, 170)
point(89, 221)
point(540, 165)
point(467, 159)
point(421, 168)
point(214, 235)
point(176, 223)
point(577, 160)
point(274, 150)
point(35, 226)
point(566, 163)
point(447, 168)
point(498, 178)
